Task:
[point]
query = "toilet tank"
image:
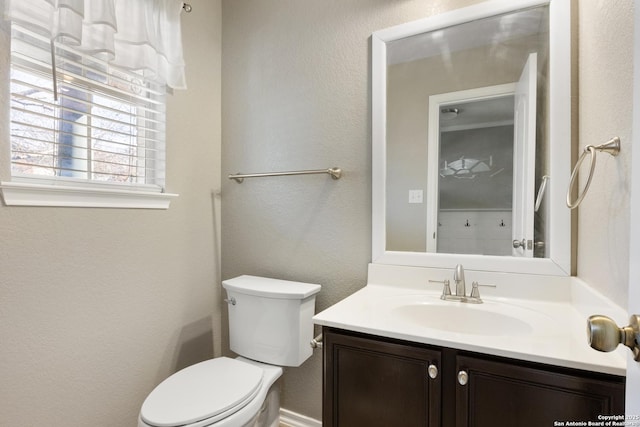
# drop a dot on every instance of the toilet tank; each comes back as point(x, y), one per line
point(270, 319)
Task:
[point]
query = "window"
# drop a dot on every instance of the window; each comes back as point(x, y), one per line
point(94, 138)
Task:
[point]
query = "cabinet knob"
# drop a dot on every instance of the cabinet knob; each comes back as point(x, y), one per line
point(433, 371)
point(463, 378)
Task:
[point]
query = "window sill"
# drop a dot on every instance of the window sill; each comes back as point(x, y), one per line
point(29, 194)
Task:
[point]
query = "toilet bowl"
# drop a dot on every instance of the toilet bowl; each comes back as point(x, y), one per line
point(270, 326)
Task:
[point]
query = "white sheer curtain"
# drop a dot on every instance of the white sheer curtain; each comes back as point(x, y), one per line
point(133, 34)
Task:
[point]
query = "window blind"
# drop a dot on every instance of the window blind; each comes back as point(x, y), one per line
point(107, 124)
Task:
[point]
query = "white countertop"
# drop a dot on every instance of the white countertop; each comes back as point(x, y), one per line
point(549, 316)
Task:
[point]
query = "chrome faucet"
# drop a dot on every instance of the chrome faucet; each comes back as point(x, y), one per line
point(461, 291)
point(458, 279)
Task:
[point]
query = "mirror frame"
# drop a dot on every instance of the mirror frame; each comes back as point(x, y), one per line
point(559, 127)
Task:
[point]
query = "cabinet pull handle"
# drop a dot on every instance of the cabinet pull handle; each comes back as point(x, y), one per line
point(463, 378)
point(433, 371)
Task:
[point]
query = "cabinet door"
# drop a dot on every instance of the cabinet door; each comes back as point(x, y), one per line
point(505, 394)
point(378, 383)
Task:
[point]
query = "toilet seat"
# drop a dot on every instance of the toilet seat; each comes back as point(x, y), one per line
point(202, 394)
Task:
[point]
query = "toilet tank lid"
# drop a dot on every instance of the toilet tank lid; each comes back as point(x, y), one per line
point(270, 288)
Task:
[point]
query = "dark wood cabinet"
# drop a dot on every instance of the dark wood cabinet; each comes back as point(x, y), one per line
point(379, 383)
point(375, 381)
point(500, 393)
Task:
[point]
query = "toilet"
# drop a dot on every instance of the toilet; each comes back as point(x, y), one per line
point(270, 327)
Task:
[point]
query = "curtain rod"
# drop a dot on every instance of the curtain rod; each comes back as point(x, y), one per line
point(187, 7)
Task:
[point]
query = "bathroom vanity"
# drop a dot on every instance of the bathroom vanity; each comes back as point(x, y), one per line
point(376, 381)
point(520, 358)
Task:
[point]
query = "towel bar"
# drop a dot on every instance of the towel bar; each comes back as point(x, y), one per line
point(335, 173)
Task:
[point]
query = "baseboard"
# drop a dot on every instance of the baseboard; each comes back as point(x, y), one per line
point(292, 419)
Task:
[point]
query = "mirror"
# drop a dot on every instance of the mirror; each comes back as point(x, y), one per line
point(471, 133)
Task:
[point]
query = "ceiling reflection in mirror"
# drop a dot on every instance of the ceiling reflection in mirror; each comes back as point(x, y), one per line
point(467, 137)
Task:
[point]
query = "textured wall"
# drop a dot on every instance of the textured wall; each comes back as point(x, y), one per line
point(605, 106)
point(97, 306)
point(296, 95)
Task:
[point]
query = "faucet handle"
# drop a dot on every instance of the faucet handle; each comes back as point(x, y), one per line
point(446, 289)
point(475, 292)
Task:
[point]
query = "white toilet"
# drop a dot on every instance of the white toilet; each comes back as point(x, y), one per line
point(270, 326)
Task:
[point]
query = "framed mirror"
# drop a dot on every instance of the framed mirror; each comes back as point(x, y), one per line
point(471, 133)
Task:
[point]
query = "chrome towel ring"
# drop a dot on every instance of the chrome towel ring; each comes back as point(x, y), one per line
point(612, 147)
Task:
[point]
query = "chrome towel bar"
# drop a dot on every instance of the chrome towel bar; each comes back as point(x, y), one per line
point(335, 173)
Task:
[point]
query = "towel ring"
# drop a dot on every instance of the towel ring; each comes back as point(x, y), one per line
point(612, 147)
point(541, 190)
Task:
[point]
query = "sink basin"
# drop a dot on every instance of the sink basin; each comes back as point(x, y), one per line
point(486, 319)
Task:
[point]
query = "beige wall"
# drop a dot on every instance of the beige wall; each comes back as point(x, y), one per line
point(97, 306)
point(605, 108)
